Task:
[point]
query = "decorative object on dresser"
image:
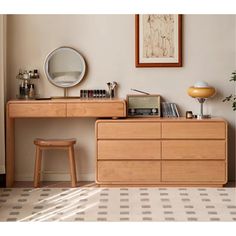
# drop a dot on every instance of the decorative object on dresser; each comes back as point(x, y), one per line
point(158, 40)
point(189, 115)
point(162, 151)
point(169, 109)
point(201, 91)
point(143, 105)
point(65, 67)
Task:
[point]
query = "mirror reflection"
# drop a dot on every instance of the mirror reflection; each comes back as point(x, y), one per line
point(65, 67)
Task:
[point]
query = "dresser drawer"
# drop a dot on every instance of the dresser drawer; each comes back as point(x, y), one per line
point(37, 110)
point(188, 171)
point(96, 109)
point(129, 149)
point(128, 171)
point(194, 149)
point(194, 130)
point(128, 130)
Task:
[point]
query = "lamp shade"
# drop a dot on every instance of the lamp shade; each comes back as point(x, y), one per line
point(201, 90)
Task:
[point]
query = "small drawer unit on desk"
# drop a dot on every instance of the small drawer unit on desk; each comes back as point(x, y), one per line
point(31, 109)
point(96, 108)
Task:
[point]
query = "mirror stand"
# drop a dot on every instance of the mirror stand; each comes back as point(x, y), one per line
point(65, 92)
point(65, 95)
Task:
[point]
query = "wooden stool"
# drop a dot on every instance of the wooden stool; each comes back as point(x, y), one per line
point(42, 144)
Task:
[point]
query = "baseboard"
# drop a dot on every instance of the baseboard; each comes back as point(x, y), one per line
point(2, 180)
point(55, 177)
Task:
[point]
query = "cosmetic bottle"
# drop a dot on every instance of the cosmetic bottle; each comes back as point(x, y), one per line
point(22, 89)
point(31, 91)
point(26, 89)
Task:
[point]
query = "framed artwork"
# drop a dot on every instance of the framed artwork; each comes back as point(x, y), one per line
point(158, 40)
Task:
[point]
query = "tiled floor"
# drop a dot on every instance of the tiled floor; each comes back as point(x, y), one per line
point(118, 204)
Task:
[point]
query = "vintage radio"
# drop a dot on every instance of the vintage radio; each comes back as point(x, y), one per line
point(143, 105)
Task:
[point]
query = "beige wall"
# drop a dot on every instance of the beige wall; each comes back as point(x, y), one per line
point(107, 43)
point(2, 90)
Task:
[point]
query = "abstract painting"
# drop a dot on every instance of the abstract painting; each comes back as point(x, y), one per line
point(158, 40)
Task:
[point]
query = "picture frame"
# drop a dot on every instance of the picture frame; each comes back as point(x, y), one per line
point(158, 40)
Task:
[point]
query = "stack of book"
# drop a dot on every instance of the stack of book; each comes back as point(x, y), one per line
point(169, 109)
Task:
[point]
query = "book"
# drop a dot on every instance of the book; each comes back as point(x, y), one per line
point(169, 109)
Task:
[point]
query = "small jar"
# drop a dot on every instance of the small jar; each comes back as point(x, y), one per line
point(189, 114)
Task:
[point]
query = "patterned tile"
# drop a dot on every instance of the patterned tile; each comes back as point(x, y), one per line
point(118, 204)
point(169, 218)
point(189, 206)
point(102, 207)
point(192, 219)
point(124, 200)
point(124, 213)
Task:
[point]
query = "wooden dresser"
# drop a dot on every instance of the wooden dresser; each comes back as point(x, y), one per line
point(171, 152)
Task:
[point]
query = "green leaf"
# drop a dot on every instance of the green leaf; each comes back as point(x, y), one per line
point(227, 98)
point(234, 106)
point(233, 77)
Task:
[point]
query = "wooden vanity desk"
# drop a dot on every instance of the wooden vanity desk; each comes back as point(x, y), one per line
point(54, 108)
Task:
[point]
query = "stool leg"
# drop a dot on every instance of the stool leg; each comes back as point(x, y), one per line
point(37, 167)
point(72, 167)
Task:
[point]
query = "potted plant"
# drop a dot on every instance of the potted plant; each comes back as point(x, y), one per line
point(232, 97)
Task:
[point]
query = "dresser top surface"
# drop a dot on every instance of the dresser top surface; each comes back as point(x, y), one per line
point(66, 100)
point(162, 119)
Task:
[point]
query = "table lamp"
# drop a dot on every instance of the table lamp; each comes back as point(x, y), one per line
point(201, 91)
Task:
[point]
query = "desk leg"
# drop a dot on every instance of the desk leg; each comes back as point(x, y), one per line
point(10, 151)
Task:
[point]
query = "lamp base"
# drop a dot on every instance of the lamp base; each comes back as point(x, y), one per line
point(203, 117)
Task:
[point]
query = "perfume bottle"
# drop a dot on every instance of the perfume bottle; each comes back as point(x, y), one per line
point(31, 91)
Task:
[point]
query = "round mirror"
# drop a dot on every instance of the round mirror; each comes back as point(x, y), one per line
point(65, 67)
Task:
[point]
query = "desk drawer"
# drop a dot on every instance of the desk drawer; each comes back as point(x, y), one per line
point(194, 149)
point(195, 130)
point(128, 130)
point(96, 109)
point(193, 171)
point(37, 110)
point(130, 171)
point(129, 149)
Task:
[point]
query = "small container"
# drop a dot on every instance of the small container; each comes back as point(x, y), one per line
point(31, 74)
point(36, 74)
point(22, 89)
point(25, 75)
point(26, 89)
point(31, 91)
point(189, 114)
